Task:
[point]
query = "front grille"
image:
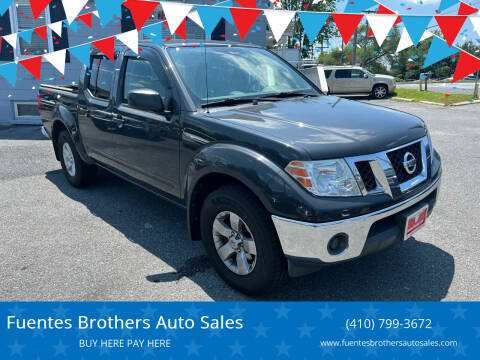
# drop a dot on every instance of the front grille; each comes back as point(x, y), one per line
point(396, 158)
point(366, 174)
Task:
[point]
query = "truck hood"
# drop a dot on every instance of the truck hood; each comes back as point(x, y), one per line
point(326, 127)
point(384, 77)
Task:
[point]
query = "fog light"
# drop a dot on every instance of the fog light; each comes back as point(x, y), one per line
point(337, 244)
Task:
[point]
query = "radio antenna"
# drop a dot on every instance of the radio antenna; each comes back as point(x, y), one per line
point(206, 73)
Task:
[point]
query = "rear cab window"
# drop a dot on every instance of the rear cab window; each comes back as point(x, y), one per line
point(343, 74)
point(101, 77)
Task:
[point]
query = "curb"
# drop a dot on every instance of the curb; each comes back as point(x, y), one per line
point(402, 99)
point(431, 103)
point(466, 103)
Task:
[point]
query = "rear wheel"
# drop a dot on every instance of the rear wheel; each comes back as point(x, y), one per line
point(241, 241)
point(380, 91)
point(77, 172)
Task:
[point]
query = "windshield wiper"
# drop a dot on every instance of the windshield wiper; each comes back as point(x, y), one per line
point(229, 101)
point(283, 95)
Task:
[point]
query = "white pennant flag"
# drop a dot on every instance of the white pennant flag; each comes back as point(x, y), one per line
point(57, 27)
point(278, 21)
point(57, 59)
point(11, 39)
point(475, 19)
point(195, 18)
point(405, 40)
point(129, 38)
point(96, 14)
point(381, 25)
point(175, 14)
point(72, 8)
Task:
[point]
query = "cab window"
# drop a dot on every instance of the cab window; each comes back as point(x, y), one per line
point(343, 74)
point(357, 74)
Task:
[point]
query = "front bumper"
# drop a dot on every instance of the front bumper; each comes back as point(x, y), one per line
point(308, 242)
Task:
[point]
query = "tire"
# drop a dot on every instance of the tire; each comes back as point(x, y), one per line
point(80, 174)
point(269, 267)
point(380, 91)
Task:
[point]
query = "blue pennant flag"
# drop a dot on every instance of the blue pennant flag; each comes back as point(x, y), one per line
point(357, 6)
point(312, 23)
point(9, 72)
point(439, 50)
point(154, 32)
point(228, 15)
point(445, 4)
point(210, 17)
point(4, 5)
point(26, 35)
point(416, 26)
point(108, 8)
point(82, 53)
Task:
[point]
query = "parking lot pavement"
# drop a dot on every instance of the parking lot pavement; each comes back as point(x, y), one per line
point(447, 88)
point(114, 241)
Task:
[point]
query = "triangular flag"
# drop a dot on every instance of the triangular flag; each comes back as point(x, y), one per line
point(383, 10)
point(465, 9)
point(438, 50)
point(33, 66)
point(278, 21)
point(193, 15)
point(312, 23)
point(11, 39)
point(210, 16)
point(358, 6)
point(244, 19)
point(405, 41)
point(346, 24)
point(57, 27)
point(130, 39)
point(467, 64)
point(175, 13)
point(9, 72)
point(42, 32)
point(72, 8)
point(82, 53)
point(38, 6)
point(154, 32)
point(476, 23)
point(4, 5)
point(416, 26)
point(450, 26)
point(445, 4)
point(228, 15)
point(381, 25)
point(106, 46)
point(26, 35)
point(57, 59)
point(247, 3)
point(86, 19)
point(107, 9)
point(141, 11)
point(182, 29)
point(96, 14)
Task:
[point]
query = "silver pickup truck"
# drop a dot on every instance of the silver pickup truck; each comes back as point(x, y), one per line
point(350, 80)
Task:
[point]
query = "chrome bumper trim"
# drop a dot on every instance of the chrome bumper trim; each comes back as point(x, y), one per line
point(309, 240)
point(45, 133)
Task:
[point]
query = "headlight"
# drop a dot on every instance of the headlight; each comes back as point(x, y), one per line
point(325, 177)
point(430, 145)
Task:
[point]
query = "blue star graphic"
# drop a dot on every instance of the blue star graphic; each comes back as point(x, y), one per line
point(148, 311)
point(60, 348)
point(327, 312)
point(148, 351)
point(459, 312)
point(415, 311)
point(460, 349)
point(305, 330)
point(348, 332)
point(16, 349)
point(415, 350)
point(283, 349)
point(237, 311)
point(477, 329)
point(104, 351)
point(60, 311)
point(193, 311)
point(392, 332)
point(282, 311)
point(437, 330)
point(371, 311)
point(82, 333)
point(104, 311)
point(193, 348)
point(215, 333)
point(372, 351)
point(326, 350)
point(126, 333)
point(237, 349)
point(38, 332)
point(170, 333)
point(16, 311)
point(261, 330)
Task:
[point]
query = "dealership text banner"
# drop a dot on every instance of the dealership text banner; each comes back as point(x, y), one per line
point(254, 330)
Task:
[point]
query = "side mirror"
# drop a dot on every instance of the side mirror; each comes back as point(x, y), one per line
point(365, 76)
point(146, 99)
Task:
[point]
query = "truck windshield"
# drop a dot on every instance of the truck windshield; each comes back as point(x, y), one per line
point(235, 73)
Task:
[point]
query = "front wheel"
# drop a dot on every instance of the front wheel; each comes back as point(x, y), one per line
point(380, 91)
point(241, 241)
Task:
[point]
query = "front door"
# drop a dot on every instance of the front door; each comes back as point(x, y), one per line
point(147, 143)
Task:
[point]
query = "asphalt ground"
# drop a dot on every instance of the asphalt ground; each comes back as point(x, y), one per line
point(114, 241)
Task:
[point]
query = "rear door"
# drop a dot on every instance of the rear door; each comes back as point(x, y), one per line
point(360, 81)
point(147, 143)
point(342, 82)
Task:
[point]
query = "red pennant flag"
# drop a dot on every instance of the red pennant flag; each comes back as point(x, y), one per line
point(86, 19)
point(244, 19)
point(467, 64)
point(182, 30)
point(38, 6)
point(141, 11)
point(383, 10)
point(346, 24)
point(247, 3)
point(42, 32)
point(450, 26)
point(465, 9)
point(33, 65)
point(107, 47)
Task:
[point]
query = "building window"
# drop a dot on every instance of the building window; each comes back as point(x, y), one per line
point(26, 112)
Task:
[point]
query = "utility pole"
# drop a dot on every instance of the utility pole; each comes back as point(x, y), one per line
point(354, 59)
point(475, 87)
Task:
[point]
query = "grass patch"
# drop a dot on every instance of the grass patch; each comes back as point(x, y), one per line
point(437, 97)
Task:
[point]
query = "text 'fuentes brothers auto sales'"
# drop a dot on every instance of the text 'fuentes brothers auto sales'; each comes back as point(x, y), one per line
point(115, 322)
